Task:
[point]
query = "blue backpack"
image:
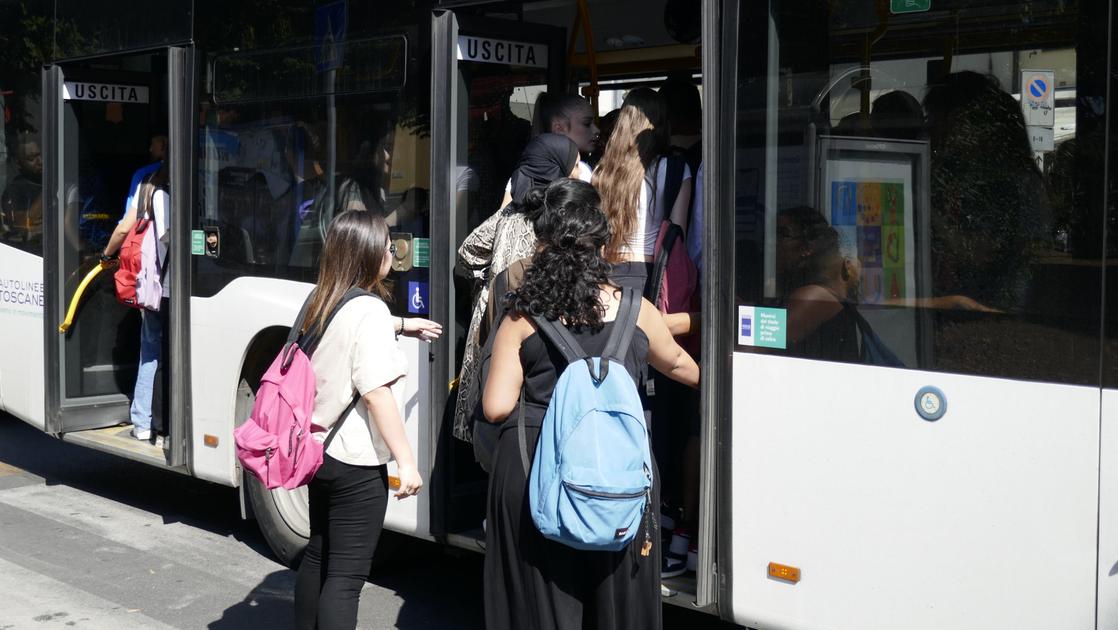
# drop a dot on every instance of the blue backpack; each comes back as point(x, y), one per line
point(590, 483)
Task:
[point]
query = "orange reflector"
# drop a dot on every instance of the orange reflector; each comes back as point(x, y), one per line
point(784, 572)
point(393, 482)
point(209, 440)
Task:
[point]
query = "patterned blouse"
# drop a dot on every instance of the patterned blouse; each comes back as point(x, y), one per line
point(501, 240)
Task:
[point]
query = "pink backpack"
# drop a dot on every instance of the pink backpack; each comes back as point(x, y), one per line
point(275, 443)
point(675, 280)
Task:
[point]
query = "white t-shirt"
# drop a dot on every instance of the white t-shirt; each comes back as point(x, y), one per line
point(643, 239)
point(585, 173)
point(357, 354)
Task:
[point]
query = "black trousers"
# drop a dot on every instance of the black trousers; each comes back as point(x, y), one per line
point(347, 513)
point(161, 388)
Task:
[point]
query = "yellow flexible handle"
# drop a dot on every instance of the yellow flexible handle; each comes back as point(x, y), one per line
point(74, 301)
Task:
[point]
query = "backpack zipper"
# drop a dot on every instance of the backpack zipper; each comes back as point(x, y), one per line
point(598, 494)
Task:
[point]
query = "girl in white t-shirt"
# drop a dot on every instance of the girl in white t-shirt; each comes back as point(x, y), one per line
point(357, 355)
point(631, 179)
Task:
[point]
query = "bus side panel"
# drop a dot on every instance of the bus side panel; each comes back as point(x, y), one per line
point(21, 320)
point(1108, 513)
point(985, 518)
point(222, 327)
point(412, 516)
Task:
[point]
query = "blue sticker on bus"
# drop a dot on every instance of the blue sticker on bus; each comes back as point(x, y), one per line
point(417, 298)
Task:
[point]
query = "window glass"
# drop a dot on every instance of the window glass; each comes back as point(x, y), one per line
point(25, 36)
point(912, 188)
point(299, 123)
point(91, 27)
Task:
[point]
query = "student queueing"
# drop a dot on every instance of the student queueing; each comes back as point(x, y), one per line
point(357, 355)
point(504, 238)
point(631, 178)
point(530, 581)
point(149, 184)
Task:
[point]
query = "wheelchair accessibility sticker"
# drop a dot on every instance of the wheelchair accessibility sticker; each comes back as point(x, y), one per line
point(417, 298)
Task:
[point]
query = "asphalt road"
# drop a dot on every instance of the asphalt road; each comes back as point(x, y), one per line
point(89, 540)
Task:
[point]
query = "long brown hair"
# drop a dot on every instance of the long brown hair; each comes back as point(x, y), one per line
point(356, 244)
point(638, 139)
point(159, 180)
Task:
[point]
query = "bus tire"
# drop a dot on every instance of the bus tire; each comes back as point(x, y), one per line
point(283, 518)
point(282, 515)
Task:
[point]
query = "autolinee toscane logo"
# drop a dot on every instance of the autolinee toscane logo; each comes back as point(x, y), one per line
point(21, 292)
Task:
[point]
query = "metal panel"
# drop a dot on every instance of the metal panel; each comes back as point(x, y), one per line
point(716, 492)
point(52, 201)
point(182, 136)
point(444, 35)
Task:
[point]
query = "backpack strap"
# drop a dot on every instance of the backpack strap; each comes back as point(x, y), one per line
point(341, 419)
point(313, 335)
point(311, 338)
point(672, 233)
point(673, 181)
point(624, 325)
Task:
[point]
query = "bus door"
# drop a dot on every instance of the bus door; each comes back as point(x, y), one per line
point(103, 114)
point(917, 204)
point(487, 75)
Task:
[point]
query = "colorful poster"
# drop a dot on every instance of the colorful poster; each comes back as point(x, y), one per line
point(892, 238)
point(869, 246)
point(873, 289)
point(892, 204)
point(869, 203)
point(894, 283)
point(844, 209)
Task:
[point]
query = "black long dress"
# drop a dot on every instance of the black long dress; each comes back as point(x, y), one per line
point(535, 583)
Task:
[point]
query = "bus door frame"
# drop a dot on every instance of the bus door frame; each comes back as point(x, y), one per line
point(719, 64)
point(64, 416)
point(445, 28)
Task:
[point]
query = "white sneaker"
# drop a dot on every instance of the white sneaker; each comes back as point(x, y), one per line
point(141, 434)
point(159, 441)
point(680, 542)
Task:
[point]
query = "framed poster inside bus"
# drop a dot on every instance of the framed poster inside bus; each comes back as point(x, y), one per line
point(874, 193)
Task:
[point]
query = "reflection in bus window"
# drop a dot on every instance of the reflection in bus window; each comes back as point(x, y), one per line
point(950, 190)
point(280, 160)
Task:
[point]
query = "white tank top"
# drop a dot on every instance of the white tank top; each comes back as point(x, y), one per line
point(642, 241)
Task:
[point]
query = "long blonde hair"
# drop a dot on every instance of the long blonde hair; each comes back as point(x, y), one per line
point(638, 139)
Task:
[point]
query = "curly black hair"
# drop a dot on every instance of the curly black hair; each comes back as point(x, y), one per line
point(568, 267)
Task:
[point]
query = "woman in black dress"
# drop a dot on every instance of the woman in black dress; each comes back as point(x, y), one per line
point(532, 582)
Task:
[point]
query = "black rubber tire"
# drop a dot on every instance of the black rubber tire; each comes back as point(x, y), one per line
point(286, 543)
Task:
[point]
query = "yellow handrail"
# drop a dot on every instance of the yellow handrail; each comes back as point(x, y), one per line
point(74, 301)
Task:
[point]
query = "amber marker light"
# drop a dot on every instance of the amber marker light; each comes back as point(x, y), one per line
point(393, 482)
point(784, 572)
point(209, 440)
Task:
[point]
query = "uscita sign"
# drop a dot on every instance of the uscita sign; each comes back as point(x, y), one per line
point(105, 92)
point(501, 51)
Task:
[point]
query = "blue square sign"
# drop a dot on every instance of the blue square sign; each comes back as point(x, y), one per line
point(417, 298)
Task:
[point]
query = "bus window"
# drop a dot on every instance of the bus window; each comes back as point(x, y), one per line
point(904, 208)
point(286, 147)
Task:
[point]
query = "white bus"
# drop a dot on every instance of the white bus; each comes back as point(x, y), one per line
point(908, 410)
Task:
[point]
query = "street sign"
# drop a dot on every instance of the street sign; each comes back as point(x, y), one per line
point(329, 35)
point(1038, 97)
point(909, 6)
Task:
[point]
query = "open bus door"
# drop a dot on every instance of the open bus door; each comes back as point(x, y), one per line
point(100, 115)
point(487, 74)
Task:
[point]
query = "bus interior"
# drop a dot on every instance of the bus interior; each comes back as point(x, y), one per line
point(495, 116)
point(113, 109)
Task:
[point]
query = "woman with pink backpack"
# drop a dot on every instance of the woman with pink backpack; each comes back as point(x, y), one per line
point(356, 360)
